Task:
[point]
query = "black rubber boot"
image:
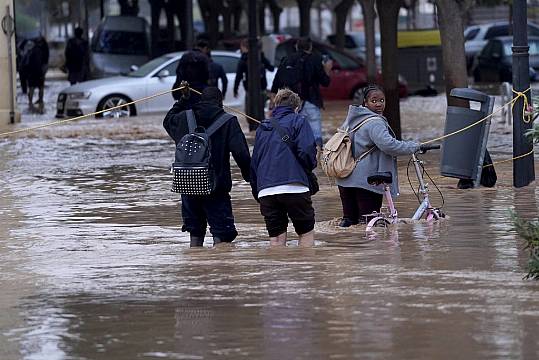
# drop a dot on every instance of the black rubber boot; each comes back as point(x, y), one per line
point(345, 222)
point(197, 241)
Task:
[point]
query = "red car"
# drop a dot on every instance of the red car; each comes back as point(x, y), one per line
point(348, 76)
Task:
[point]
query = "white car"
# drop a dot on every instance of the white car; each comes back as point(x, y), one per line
point(156, 76)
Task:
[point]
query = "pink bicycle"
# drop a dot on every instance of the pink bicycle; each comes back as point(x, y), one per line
point(424, 211)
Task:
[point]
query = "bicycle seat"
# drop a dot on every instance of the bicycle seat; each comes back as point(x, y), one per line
point(380, 178)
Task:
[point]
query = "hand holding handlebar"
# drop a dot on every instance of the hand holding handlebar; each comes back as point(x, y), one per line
point(426, 147)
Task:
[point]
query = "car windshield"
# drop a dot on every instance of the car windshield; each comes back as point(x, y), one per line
point(150, 66)
point(534, 48)
point(121, 42)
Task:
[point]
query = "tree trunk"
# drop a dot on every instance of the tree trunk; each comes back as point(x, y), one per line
point(369, 17)
point(170, 12)
point(450, 19)
point(236, 9)
point(226, 11)
point(388, 11)
point(276, 11)
point(155, 6)
point(128, 8)
point(210, 14)
point(341, 10)
point(304, 17)
point(261, 17)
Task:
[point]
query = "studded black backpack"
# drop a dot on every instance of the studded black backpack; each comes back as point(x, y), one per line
point(192, 168)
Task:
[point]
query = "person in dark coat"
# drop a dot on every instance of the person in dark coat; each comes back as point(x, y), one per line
point(193, 68)
point(279, 178)
point(242, 72)
point(77, 58)
point(215, 209)
point(314, 73)
point(36, 64)
point(23, 47)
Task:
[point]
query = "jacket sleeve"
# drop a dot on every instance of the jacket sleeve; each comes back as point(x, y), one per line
point(224, 80)
point(239, 149)
point(380, 136)
point(253, 182)
point(277, 80)
point(320, 73)
point(305, 143)
point(239, 76)
point(171, 122)
point(266, 63)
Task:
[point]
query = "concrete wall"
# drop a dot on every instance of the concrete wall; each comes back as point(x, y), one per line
point(5, 83)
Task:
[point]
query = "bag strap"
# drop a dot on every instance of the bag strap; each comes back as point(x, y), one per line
point(285, 137)
point(363, 123)
point(357, 128)
point(221, 120)
point(191, 121)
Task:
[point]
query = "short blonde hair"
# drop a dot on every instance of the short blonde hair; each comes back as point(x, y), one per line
point(286, 97)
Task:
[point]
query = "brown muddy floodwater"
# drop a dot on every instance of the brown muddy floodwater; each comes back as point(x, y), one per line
point(94, 265)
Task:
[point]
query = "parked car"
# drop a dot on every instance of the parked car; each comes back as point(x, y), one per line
point(154, 77)
point(476, 37)
point(119, 42)
point(348, 76)
point(495, 62)
point(355, 42)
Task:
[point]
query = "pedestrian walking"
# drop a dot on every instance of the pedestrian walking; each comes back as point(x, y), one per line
point(375, 139)
point(216, 70)
point(214, 209)
point(23, 48)
point(242, 72)
point(304, 72)
point(193, 68)
point(77, 58)
point(283, 191)
point(36, 64)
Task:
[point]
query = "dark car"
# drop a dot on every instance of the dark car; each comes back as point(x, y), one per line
point(476, 37)
point(348, 75)
point(495, 62)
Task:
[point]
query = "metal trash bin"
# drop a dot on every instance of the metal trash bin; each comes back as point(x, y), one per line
point(463, 153)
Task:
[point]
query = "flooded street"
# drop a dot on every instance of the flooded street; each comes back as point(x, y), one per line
point(95, 266)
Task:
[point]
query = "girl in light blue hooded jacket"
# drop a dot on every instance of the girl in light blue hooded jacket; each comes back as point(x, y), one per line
point(358, 197)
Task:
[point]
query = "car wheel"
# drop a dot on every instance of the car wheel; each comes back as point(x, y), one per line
point(113, 101)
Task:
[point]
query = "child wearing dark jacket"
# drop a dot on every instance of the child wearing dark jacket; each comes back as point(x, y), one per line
point(279, 171)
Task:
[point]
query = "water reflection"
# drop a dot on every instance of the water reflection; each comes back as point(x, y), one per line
point(94, 266)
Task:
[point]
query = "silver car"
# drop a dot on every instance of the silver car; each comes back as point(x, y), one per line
point(158, 75)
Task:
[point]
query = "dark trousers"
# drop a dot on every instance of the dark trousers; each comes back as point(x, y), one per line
point(357, 202)
point(215, 210)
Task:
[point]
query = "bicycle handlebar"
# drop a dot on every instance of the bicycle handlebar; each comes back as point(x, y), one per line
point(427, 147)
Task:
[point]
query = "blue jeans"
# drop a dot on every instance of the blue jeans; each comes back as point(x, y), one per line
point(215, 209)
point(313, 115)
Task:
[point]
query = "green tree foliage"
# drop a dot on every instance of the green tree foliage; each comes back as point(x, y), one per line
point(529, 231)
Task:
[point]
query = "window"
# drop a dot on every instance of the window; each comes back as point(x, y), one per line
point(229, 63)
point(172, 68)
point(345, 62)
point(471, 34)
point(533, 31)
point(151, 66)
point(496, 48)
point(495, 31)
point(121, 42)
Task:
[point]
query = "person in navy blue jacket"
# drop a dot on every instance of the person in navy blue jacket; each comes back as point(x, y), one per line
point(279, 171)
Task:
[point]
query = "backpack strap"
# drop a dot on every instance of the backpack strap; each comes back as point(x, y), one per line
point(363, 123)
point(191, 121)
point(221, 120)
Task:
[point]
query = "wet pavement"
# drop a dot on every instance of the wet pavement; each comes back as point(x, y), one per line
point(94, 265)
